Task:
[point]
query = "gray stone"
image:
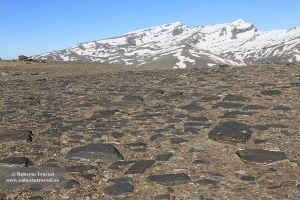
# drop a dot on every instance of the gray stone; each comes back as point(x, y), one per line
point(121, 180)
point(132, 98)
point(119, 188)
point(177, 140)
point(210, 98)
point(34, 198)
point(140, 166)
point(227, 105)
point(117, 164)
point(230, 131)
point(14, 136)
point(281, 108)
point(254, 107)
point(192, 107)
point(154, 137)
point(71, 184)
point(13, 161)
point(162, 197)
point(170, 179)
point(232, 97)
point(271, 92)
point(164, 157)
point(196, 162)
point(206, 182)
point(95, 152)
point(248, 178)
point(80, 168)
point(236, 113)
point(89, 177)
point(260, 156)
point(136, 144)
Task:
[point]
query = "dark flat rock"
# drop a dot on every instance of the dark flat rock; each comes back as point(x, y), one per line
point(140, 166)
point(132, 98)
point(154, 137)
point(162, 197)
point(170, 179)
point(281, 108)
point(71, 184)
point(119, 188)
point(232, 97)
point(21, 135)
point(196, 124)
point(260, 156)
point(271, 92)
point(198, 119)
point(196, 162)
point(12, 161)
point(192, 107)
point(104, 114)
point(80, 168)
point(177, 140)
point(117, 134)
point(230, 131)
point(136, 144)
point(89, 177)
point(258, 141)
point(236, 113)
point(206, 182)
point(121, 180)
point(164, 157)
point(277, 125)
point(248, 178)
point(295, 84)
point(95, 152)
point(117, 164)
point(261, 127)
point(227, 105)
point(210, 98)
point(34, 198)
point(254, 107)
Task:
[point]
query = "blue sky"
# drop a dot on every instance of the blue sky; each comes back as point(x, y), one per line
point(34, 27)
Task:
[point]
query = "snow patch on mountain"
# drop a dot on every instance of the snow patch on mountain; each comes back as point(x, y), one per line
point(234, 43)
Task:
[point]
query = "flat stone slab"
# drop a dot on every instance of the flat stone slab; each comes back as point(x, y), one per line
point(22, 135)
point(170, 179)
point(95, 152)
point(164, 157)
point(177, 140)
point(230, 131)
point(132, 98)
point(227, 105)
point(281, 108)
point(260, 156)
point(271, 92)
point(14, 161)
point(192, 107)
point(119, 188)
point(116, 165)
point(254, 107)
point(206, 182)
point(232, 97)
point(139, 167)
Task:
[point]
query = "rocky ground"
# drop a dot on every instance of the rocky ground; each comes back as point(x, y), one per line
point(128, 133)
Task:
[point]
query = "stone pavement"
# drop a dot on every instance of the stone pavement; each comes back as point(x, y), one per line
point(197, 133)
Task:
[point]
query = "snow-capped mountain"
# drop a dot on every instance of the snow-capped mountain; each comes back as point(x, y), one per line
point(176, 45)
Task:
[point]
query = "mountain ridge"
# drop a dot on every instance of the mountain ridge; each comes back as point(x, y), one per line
point(177, 45)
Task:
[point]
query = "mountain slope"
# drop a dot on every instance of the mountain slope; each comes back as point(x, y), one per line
point(176, 45)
